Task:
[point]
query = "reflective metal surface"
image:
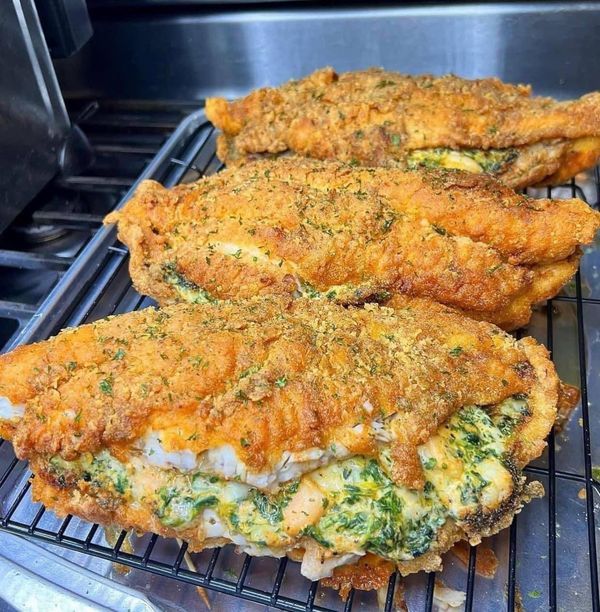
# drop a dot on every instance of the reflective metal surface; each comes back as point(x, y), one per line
point(66, 25)
point(33, 119)
point(191, 54)
point(32, 578)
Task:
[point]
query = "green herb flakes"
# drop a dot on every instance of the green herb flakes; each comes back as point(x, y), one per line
point(105, 386)
point(281, 382)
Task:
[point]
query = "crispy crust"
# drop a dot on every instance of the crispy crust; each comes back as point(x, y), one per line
point(523, 230)
point(547, 282)
point(359, 252)
point(461, 239)
point(491, 366)
point(544, 397)
point(529, 440)
point(577, 155)
point(205, 376)
point(534, 163)
point(367, 574)
point(551, 163)
point(375, 117)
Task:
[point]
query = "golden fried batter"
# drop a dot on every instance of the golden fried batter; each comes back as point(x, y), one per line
point(547, 282)
point(208, 375)
point(327, 229)
point(374, 117)
point(368, 574)
point(268, 375)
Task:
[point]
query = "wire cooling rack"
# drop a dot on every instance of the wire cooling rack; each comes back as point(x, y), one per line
point(548, 557)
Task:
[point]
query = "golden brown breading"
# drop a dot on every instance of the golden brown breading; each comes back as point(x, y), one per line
point(577, 155)
point(350, 234)
point(208, 375)
point(367, 574)
point(341, 243)
point(522, 229)
point(547, 282)
point(282, 373)
point(378, 118)
point(550, 162)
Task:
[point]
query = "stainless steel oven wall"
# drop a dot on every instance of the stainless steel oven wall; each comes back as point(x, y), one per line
point(190, 54)
point(33, 120)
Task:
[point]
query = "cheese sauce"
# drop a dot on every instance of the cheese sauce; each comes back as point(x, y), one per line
point(348, 508)
point(469, 160)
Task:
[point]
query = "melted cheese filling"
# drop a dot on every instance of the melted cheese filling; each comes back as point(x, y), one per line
point(469, 160)
point(337, 512)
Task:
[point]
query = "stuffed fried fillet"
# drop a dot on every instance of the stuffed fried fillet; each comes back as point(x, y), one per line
point(285, 426)
point(380, 118)
point(329, 230)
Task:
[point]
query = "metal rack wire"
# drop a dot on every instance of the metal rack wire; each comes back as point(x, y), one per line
point(124, 138)
point(97, 284)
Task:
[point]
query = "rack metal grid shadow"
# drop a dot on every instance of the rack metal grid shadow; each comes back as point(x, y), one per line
point(548, 557)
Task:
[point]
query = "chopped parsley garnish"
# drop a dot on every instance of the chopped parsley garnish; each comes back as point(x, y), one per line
point(281, 382)
point(387, 224)
point(105, 386)
point(241, 395)
point(198, 361)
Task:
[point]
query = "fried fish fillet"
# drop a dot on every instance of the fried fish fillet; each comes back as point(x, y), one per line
point(286, 426)
point(379, 118)
point(326, 229)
